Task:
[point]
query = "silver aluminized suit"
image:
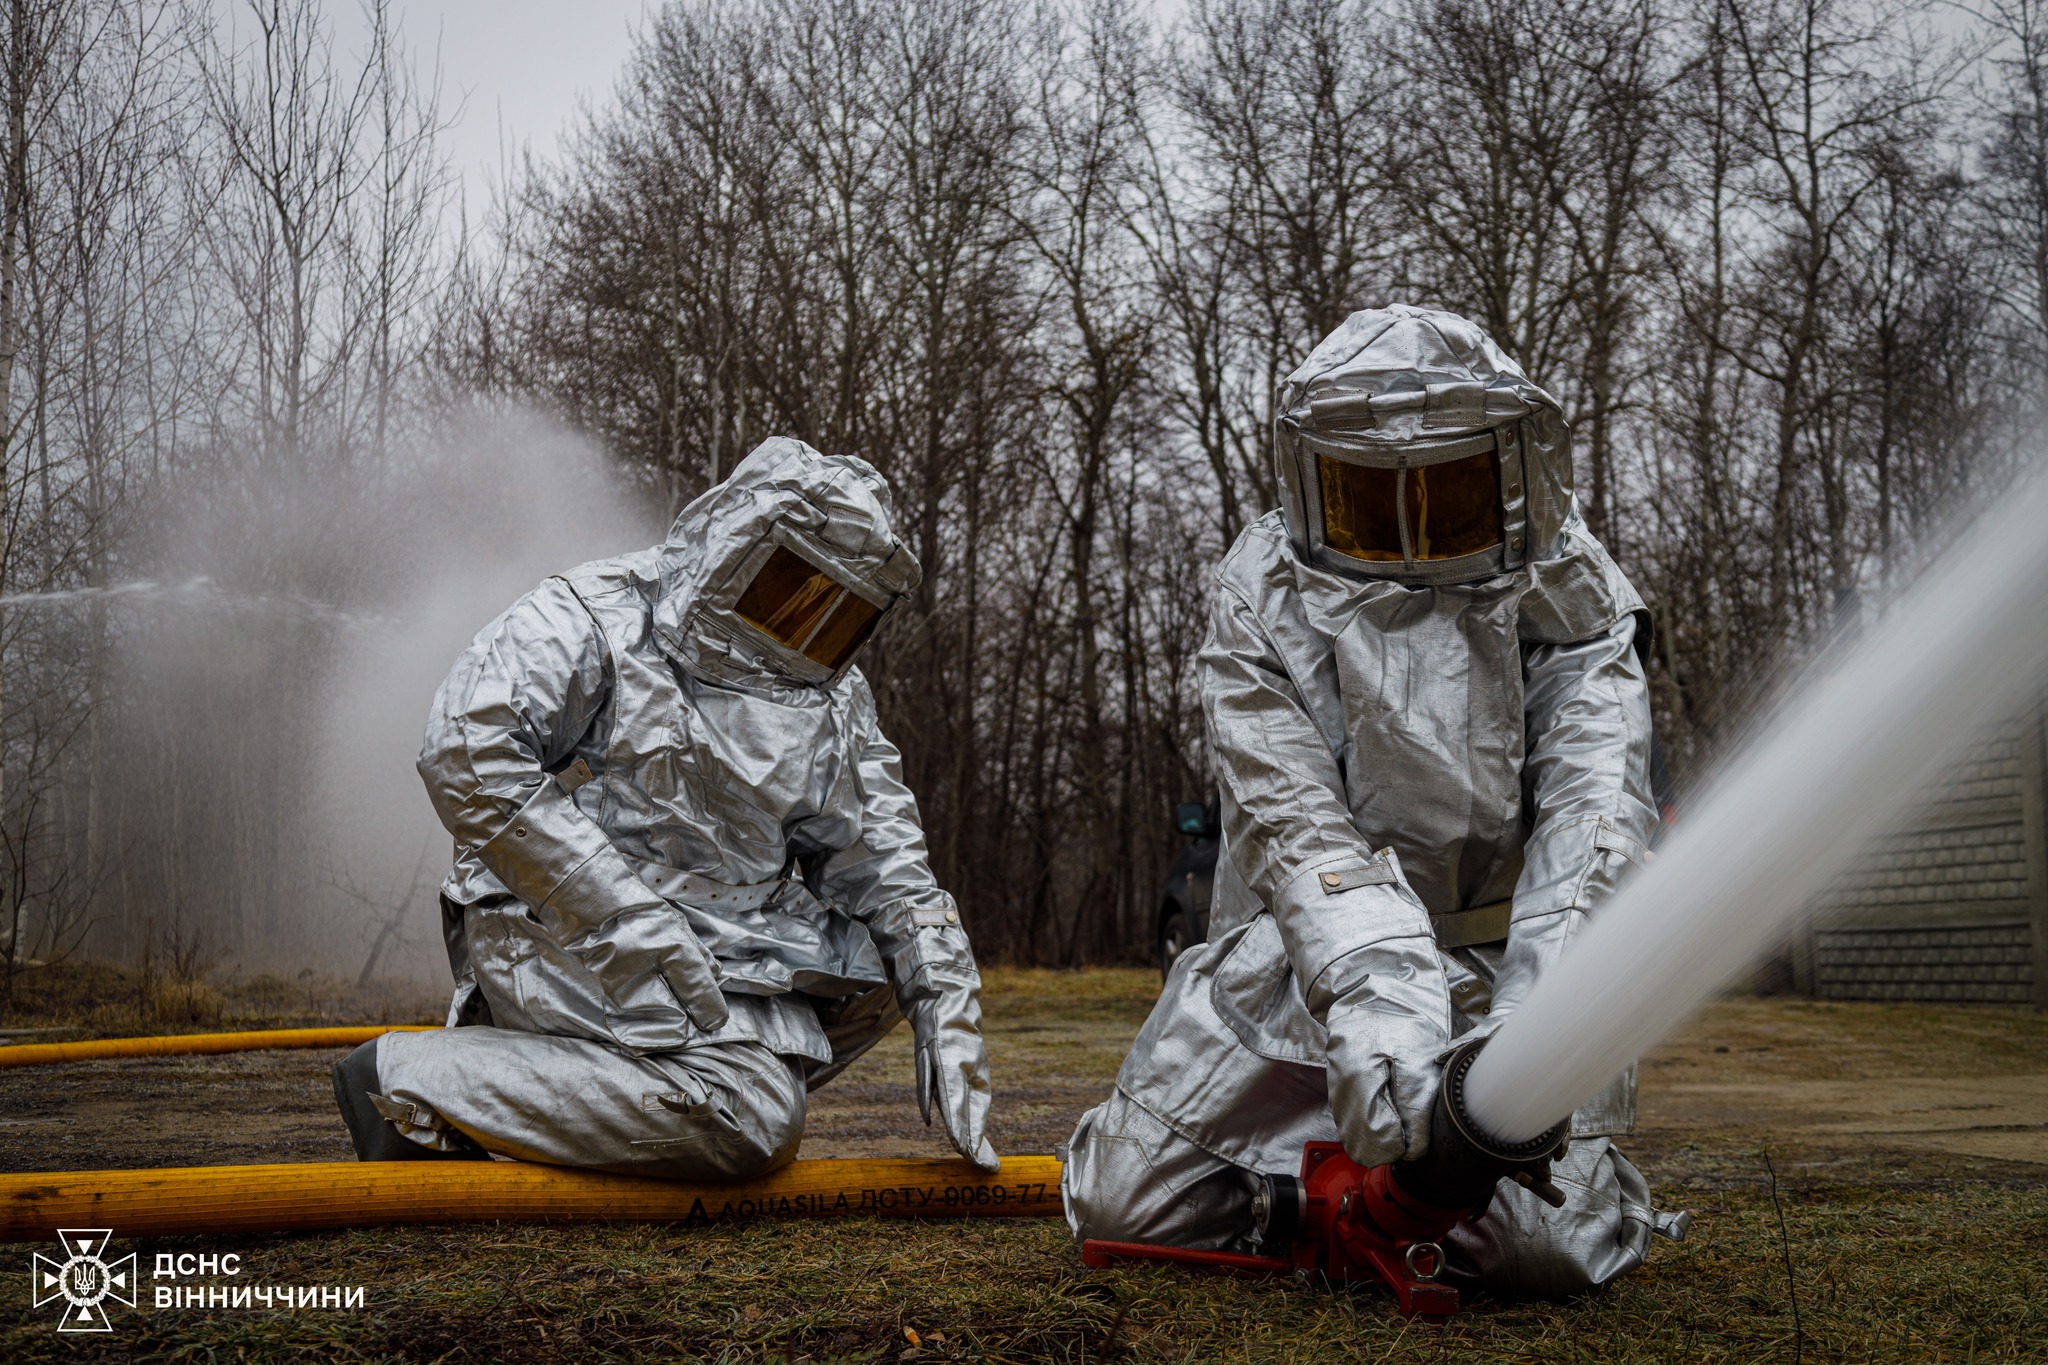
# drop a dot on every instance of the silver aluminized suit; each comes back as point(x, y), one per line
point(1429, 771)
point(690, 883)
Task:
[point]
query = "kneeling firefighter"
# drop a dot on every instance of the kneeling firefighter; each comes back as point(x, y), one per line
point(690, 884)
point(1430, 732)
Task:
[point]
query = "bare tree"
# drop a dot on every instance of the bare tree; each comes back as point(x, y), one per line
point(94, 236)
point(1044, 268)
point(1290, 108)
point(1816, 124)
point(1096, 345)
point(2015, 187)
point(290, 126)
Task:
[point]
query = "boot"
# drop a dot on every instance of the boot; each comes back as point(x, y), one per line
point(375, 1137)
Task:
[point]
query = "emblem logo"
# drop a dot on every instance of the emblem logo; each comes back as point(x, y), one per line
point(85, 1279)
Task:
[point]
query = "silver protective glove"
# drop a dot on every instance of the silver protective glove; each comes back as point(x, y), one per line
point(943, 1004)
point(587, 896)
point(648, 940)
point(1361, 945)
point(885, 881)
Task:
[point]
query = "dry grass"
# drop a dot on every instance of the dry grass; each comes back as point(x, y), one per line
point(1952, 1273)
point(85, 999)
point(176, 1004)
point(1900, 1252)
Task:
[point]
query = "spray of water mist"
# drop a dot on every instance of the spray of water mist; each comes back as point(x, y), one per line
point(525, 501)
point(270, 674)
point(1844, 759)
point(201, 591)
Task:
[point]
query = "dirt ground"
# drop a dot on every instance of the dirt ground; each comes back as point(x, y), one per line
point(1909, 1147)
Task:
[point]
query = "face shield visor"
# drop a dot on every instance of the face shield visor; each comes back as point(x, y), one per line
point(805, 609)
point(1426, 512)
point(1441, 511)
point(802, 608)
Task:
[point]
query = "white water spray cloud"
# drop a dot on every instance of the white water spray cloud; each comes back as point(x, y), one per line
point(271, 675)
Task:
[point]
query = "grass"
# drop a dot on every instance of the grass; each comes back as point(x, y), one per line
point(1952, 1274)
point(90, 999)
point(1898, 1253)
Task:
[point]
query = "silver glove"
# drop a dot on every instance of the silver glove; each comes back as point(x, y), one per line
point(601, 911)
point(952, 1058)
point(1361, 944)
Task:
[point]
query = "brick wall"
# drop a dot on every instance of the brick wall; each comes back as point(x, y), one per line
point(1989, 963)
point(1953, 905)
point(1939, 867)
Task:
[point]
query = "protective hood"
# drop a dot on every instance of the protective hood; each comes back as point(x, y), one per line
point(782, 572)
point(1411, 447)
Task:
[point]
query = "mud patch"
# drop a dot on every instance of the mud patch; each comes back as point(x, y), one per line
point(1855, 1083)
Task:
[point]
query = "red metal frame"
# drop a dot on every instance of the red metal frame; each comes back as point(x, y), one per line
point(1356, 1224)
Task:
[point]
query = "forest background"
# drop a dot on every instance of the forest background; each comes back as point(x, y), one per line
point(287, 418)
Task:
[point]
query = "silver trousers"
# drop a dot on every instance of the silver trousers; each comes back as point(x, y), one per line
point(716, 1111)
point(1131, 1178)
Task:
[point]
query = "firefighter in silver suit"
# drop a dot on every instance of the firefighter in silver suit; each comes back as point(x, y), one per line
point(690, 884)
point(1430, 732)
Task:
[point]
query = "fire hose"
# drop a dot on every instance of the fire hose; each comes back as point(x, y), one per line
point(303, 1196)
point(1385, 1223)
point(177, 1044)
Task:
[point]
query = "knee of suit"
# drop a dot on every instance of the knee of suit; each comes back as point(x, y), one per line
point(1130, 1178)
point(766, 1115)
point(1522, 1248)
point(756, 1151)
point(1100, 1186)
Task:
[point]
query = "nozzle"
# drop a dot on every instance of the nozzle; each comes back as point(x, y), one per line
point(1279, 1204)
point(1464, 1162)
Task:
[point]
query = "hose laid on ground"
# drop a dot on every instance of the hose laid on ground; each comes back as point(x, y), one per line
point(196, 1200)
point(95, 1049)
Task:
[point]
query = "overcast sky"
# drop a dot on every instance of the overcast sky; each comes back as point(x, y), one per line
point(519, 66)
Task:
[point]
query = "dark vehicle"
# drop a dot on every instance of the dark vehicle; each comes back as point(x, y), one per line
point(1184, 905)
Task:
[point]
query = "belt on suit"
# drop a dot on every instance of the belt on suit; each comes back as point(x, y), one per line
point(706, 893)
point(1480, 924)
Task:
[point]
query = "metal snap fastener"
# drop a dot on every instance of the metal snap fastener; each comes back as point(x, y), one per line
point(952, 917)
point(519, 831)
point(1333, 879)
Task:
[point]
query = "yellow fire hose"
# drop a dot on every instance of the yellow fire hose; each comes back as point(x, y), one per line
point(198, 1200)
point(97, 1049)
point(195, 1200)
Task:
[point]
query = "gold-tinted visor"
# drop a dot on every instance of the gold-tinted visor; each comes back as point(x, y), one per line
point(1452, 508)
point(807, 609)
